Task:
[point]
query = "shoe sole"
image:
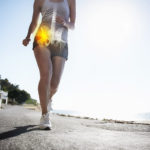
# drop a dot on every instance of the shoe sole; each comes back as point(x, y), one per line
point(45, 128)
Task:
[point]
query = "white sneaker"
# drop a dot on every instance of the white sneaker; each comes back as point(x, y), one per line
point(45, 122)
point(49, 106)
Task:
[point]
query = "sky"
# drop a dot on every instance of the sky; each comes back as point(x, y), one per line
point(108, 68)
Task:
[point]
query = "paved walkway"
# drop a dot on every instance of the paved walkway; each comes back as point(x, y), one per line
point(19, 131)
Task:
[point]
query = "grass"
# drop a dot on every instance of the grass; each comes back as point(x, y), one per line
point(31, 101)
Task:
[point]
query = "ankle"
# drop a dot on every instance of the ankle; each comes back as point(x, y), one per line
point(44, 112)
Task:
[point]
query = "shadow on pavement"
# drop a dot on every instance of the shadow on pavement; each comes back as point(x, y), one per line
point(18, 131)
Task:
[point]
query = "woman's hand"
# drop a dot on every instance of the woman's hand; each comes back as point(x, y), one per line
point(26, 41)
point(60, 20)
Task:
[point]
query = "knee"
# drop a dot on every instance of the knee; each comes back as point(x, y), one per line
point(45, 77)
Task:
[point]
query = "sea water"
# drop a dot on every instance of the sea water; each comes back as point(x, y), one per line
point(145, 116)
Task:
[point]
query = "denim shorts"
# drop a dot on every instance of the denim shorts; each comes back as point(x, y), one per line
point(56, 49)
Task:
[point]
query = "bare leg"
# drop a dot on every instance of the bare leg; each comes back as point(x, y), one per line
point(44, 63)
point(58, 67)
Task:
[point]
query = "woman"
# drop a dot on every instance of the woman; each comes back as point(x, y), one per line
point(50, 47)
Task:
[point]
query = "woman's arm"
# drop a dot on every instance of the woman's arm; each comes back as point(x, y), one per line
point(71, 23)
point(35, 16)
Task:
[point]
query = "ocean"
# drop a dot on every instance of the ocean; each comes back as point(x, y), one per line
point(145, 116)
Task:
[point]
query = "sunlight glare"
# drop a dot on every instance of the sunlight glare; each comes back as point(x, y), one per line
point(110, 25)
point(43, 35)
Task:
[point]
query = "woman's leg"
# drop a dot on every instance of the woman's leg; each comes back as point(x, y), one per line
point(58, 67)
point(44, 63)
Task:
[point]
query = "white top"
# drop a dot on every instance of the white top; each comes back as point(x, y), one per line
point(49, 12)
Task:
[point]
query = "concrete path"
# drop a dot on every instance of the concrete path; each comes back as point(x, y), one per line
point(19, 131)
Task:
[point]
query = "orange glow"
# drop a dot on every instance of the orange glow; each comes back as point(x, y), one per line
point(43, 35)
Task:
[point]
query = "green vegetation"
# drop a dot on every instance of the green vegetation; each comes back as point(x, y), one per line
point(15, 95)
point(31, 101)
